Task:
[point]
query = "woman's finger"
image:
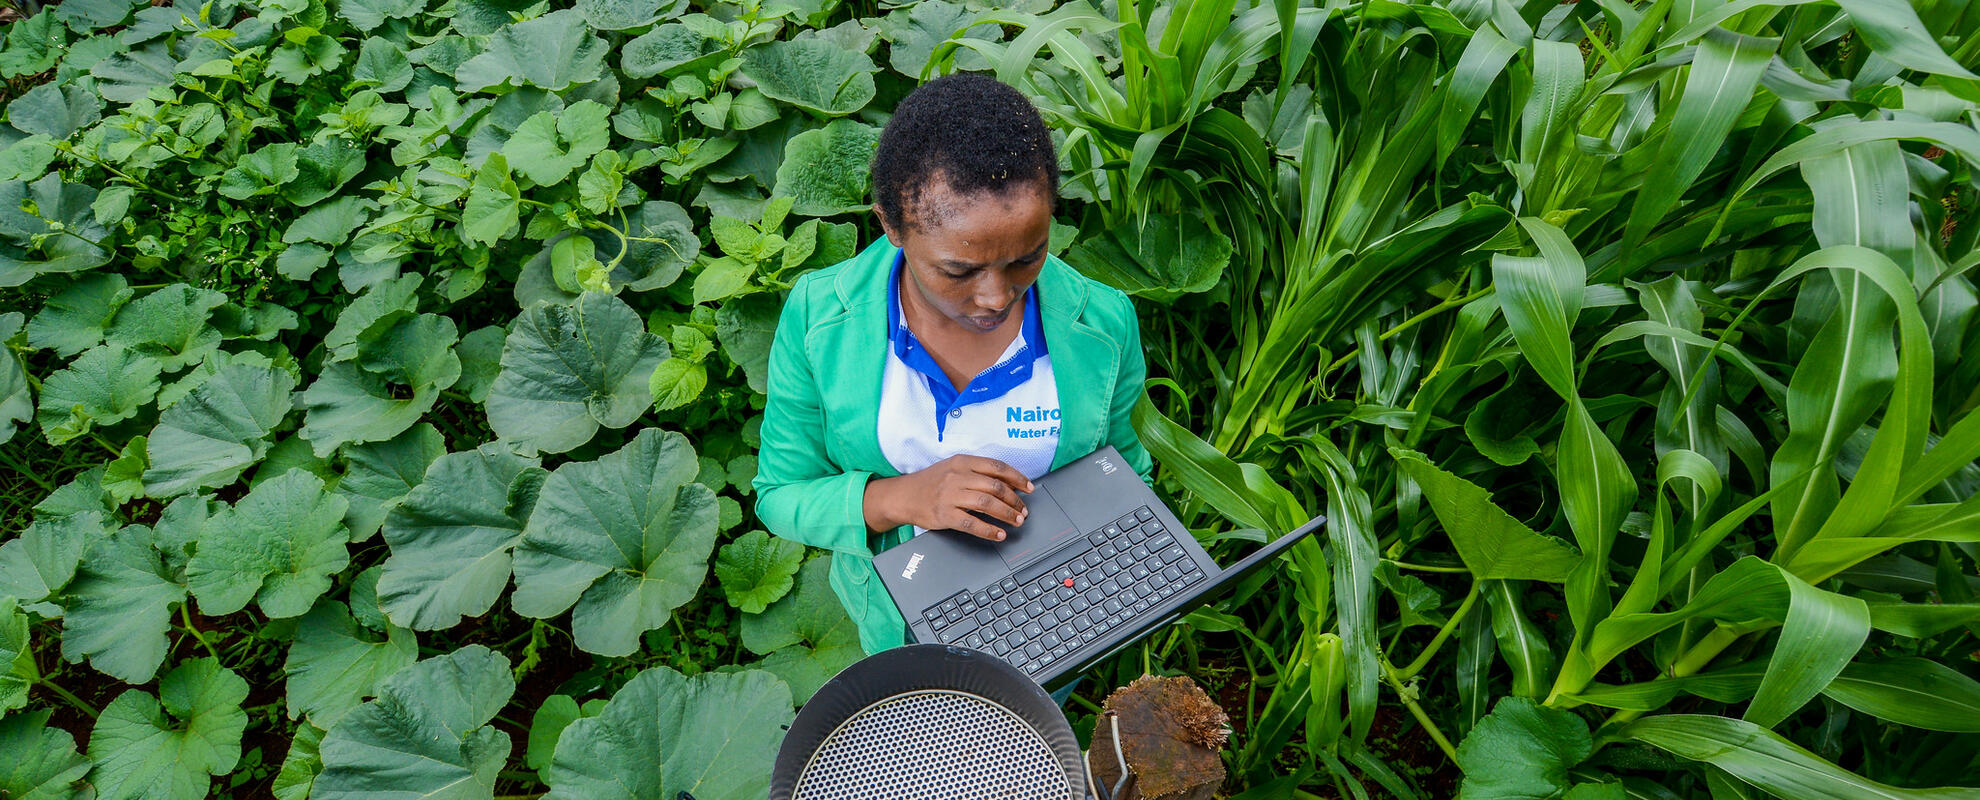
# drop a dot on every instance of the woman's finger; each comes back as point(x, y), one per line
point(978, 528)
point(992, 505)
point(1001, 471)
point(1001, 491)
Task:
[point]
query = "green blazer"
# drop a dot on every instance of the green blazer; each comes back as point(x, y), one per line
point(820, 440)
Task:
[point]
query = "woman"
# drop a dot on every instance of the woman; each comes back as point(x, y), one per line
point(940, 370)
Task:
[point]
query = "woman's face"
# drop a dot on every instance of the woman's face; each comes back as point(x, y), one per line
point(970, 257)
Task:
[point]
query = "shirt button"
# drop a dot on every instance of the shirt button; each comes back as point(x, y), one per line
point(956, 414)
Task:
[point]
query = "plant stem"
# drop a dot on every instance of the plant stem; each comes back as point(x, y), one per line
point(1408, 699)
point(71, 699)
point(1443, 633)
point(1692, 661)
point(1427, 568)
point(185, 616)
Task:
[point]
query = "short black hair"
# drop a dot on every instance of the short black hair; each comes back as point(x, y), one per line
point(977, 132)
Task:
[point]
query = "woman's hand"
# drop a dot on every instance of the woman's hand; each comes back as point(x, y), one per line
point(942, 496)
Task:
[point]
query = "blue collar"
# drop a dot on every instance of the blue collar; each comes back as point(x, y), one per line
point(989, 384)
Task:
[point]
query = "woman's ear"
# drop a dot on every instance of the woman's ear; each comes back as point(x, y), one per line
point(893, 237)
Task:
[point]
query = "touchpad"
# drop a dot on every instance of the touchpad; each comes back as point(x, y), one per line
point(1047, 527)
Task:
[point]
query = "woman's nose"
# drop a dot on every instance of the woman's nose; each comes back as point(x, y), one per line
point(994, 293)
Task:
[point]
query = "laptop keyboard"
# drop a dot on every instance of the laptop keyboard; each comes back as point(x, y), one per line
point(1069, 598)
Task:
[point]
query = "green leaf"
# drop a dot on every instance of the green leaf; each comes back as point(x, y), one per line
point(813, 74)
point(481, 359)
point(553, 51)
point(322, 169)
point(568, 369)
point(263, 171)
point(39, 562)
point(17, 667)
point(805, 638)
point(451, 537)
point(1719, 86)
point(105, 386)
point(126, 77)
point(1491, 543)
point(330, 223)
point(1163, 258)
point(74, 319)
point(62, 236)
point(1911, 691)
point(165, 747)
point(396, 379)
point(1892, 28)
point(547, 147)
point(299, 61)
point(426, 735)
point(42, 762)
point(494, 204)
point(722, 278)
point(26, 159)
point(16, 398)
point(84, 16)
point(1766, 760)
point(169, 325)
point(279, 546)
point(825, 170)
point(914, 31)
point(618, 15)
point(380, 474)
point(55, 111)
point(1522, 750)
point(626, 538)
point(758, 569)
point(382, 64)
point(668, 50)
point(33, 45)
point(744, 326)
point(120, 608)
point(367, 15)
point(677, 382)
point(300, 765)
point(714, 735)
point(218, 430)
point(334, 664)
point(556, 714)
point(368, 316)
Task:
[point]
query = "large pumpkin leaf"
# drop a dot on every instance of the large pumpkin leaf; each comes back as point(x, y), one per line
point(369, 14)
point(39, 562)
point(745, 325)
point(568, 369)
point(62, 235)
point(812, 74)
point(669, 49)
point(42, 762)
point(805, 638)
point(105, 386)
point(712, 736)
point(55, 111)
point(218, 430)
point(164, 747)
point(626, 538)
point(1522, 750)
point(397, 377)
point(381, 473)
point(547, 147)
point(618, 15)
point(553, 52)
point(451, 537)
point(17, 667)
point(278, 546)
point(33, 45)
point(825, 170)
point(758, 569)
point(426, 735)
point(1161, 258)
point(300, 765)
point(75, 318)
point(334, 663)
point(914, 32)
point(120, 606)
point(169, 325)
point(16, 399)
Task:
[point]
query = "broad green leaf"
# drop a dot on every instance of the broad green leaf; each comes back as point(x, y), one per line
point(82, 493)
point(713, 736)
point(300, 765)
point(825, 170)
point(298, 61)
point(547, 147)
point(741, 111)
point(164, 748)
point(397, 378)
point(1718, 87)
point(39, 562)
point(367, 15)
point(722, 278)
point(75, 318)
point(556, 714)
point(483, 17)
point(380, 474)
point(105, 386)
point(426, 735)
point(84, 16)
point(618, 15)
point(668, 49)
point(1522, 750)
point(26, 159)
point(382, 64)
point(813, 74)
point(278, 546)
point(218, 430)
point(494, 205)
point(263, 171)
point(626, 538)
point(169, 325)
point(330, 223)
point(55, 111)
point(913, 32)
point(17, 667)
point(757, 569)
point(322, 169)
point(451, 537)
point(1766, 760)
point(568, 369)
point(744, 326)
point(551, 52)
point(61, 236)
point(42, 762)
point(677, 382)
point(1911, 691)
point(382, 305)
point(1892, 28)
point(1162, 259)
point(120, 606)
point(126, 77)
point(1821, 635)
point(16, 398)
point(1492, 544)
point(805, 638)
point(481, 359)
point(33, 45)
point(1239, 491)
point(334, 664)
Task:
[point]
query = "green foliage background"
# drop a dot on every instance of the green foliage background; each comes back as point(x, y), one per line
point(381, 381)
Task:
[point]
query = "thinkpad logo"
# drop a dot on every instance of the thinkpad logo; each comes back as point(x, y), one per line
point(914, 563)
point(1106, 467)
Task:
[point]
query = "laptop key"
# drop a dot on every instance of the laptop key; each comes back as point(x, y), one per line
point(975, 641)
point(1123, 561)
point(1051, 640)
point(1094, 595)
point(1162, 541)
point(1096, 614)
point(1068, 631)
point(1091, 559)
point(1063, 613)
point(1033, 590)
point(981, 599)
point(1097, 538)
point(1035, 609)
point(1140, 572)
point(1000, 647)
point(1088, 635)
point(1001, 607)
point(1081, 604)
point(1113, 606)
point(1033, 630)
point(1144, 514)
point(984, 616)
point(1008, 584)
point(996, 592)
point(1127, 522)
point(1172, 573)
point(1174, 552)
point(1108, 551)
point(1000, 627)
point(1138, 552)
point(1034, 650)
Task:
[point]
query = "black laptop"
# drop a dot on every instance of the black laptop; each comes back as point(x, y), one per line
point(1099, 563)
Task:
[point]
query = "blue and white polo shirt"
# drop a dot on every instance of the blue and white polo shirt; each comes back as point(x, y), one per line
point(1009, 412)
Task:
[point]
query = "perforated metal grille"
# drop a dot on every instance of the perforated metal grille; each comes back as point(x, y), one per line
point(934, 745)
